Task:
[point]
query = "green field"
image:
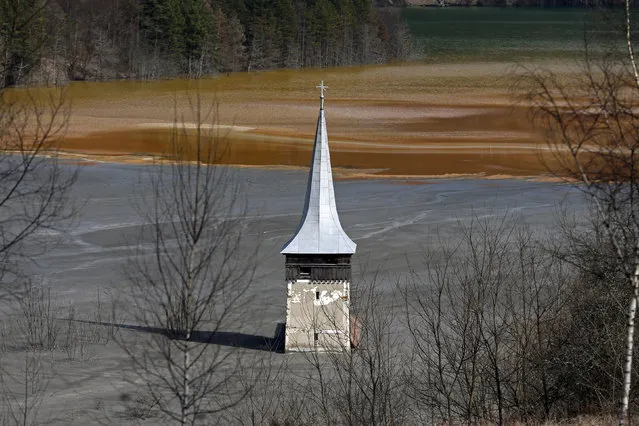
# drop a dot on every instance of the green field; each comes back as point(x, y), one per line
point(456, 34)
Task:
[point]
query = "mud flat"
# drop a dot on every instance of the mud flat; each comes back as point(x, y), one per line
point(398, 120)
point(394, 225)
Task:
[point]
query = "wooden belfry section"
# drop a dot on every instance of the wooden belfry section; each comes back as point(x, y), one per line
point(318, 262)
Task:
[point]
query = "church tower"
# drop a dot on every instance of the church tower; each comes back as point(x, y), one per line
point(318, 262)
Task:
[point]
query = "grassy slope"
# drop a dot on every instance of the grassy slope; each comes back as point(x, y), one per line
point(504, 34)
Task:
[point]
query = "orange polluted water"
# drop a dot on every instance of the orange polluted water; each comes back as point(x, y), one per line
point(421, 120)
point(444, 159)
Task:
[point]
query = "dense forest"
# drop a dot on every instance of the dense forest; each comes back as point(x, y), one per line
point(53, 41)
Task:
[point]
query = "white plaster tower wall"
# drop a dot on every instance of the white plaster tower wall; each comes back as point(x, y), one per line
point(317, 316)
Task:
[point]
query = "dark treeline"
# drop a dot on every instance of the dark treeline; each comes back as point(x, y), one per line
point(53, 41)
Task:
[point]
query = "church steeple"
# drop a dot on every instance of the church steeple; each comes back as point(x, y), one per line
point(320, 231)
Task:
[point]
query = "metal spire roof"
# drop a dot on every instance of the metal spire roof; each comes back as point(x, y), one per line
point(320, 231)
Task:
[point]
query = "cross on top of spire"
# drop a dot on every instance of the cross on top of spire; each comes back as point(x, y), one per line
point(322, 87)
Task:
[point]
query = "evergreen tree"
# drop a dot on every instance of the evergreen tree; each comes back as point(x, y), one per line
point(22, 36)
point(162, 25)
point(232, 50)
point(198, 35)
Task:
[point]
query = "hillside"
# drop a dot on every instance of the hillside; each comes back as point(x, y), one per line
point(50, 42)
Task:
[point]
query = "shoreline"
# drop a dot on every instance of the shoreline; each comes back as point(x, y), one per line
point(418, 121)
point(339, 173)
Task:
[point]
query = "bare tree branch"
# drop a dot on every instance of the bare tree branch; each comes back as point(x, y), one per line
point(191, 274)
point(34, 188)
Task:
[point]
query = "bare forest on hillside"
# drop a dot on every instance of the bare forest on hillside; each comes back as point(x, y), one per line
point(51, 42)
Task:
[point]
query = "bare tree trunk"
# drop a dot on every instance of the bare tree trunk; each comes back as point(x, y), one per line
point(632, 310)
point(627, 368)
point(192, 284)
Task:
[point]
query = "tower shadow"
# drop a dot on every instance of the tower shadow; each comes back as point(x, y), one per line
point(221, 338)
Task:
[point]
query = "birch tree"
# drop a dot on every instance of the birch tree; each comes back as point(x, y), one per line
point(634, 278)
point(190, 275)
point(592, 128)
